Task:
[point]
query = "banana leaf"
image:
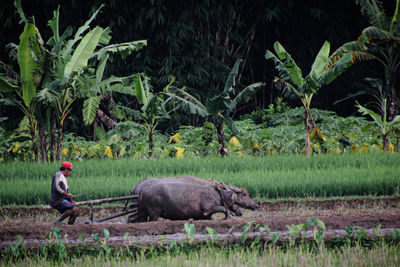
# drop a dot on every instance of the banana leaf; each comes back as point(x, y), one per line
point(83, 51)
point(320, 62)
point(27, 64)
point(90, 107)
point(285, 64)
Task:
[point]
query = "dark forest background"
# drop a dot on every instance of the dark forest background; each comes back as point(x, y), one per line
point(183, 40)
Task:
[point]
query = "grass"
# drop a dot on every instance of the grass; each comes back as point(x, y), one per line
point(278, 176)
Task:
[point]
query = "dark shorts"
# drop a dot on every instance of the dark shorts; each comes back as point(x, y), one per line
point(64, 205)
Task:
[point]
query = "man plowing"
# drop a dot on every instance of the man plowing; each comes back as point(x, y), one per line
point(60, 199)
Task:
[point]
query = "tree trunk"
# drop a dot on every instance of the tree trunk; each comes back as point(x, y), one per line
point(384, 142)
point(35, 146)
point(222, 150)
point(59, 142)
point(94, 131)
point(393, 99)
point(151, 142)
point(105, 120)
point(307, 149)
point(53, 143)
point(43, 143)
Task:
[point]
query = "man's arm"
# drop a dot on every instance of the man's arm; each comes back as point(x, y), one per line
point(60, 185)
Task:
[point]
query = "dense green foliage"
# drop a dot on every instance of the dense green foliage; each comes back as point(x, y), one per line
point(264, 177)
point(194, 46)
point(276, 130)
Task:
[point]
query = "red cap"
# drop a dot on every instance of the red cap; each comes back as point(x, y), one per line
point(67, 165)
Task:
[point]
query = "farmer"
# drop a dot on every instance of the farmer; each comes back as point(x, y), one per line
point(60, 199)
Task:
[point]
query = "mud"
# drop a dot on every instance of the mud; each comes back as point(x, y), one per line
point(33, 223)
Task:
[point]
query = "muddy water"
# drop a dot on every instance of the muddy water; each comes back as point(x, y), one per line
point(33, 224)
point(197, 238)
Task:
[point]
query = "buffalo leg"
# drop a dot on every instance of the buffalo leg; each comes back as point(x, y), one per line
point(222, 209)
point(152, 213)
point(236, 210)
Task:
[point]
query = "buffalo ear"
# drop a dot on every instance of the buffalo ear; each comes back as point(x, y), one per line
point(220, 186)
point(229, 197)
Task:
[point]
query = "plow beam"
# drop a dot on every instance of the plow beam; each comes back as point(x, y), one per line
point(104, 200)
point(116, 215)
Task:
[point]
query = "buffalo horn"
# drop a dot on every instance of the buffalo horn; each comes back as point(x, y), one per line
point(234, 188)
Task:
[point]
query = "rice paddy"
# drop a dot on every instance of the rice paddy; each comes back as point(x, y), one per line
point(277, 176)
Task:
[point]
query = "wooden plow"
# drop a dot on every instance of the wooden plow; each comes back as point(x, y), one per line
point(90, 203)
point(132, 208)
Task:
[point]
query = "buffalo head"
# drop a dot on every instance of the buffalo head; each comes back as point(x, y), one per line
point(235, 197)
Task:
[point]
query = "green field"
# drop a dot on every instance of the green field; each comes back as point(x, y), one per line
point(271, 177)
point(379, 255)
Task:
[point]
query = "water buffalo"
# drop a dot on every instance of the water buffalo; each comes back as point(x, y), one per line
point(180, 198)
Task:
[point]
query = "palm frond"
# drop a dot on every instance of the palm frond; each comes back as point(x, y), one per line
point(186, 102)
point(374, 34)
point(8, 102)
point(122, 89)
point(129, 112)
point(68, 49)
point(333, 71)
point(394, 26)
point(231, 124)
point(285, 64)
point(244, 96)
point(12, 51)
point(53, 23)
point(373, 9)
point(140, 90)
point(21, 13)
point(100, 69)
point(7, 87)
point(395, 122)
point(230, 81)
point(83, 51)
point(365, 111)
point(124, 49)
point(46, 96)
point(86, 85)
point(90, 107)
point(288, 86)
point(359, 52)
point(320, 62)
point(27, 64)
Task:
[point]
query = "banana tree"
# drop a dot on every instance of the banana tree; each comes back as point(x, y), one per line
point(381, 121)
point(152, 106)
point(219, 108)
point(74, 58)
point(324, 70)
point(380, 41)
point(92, 88)
point(50, 74)
point(23, 93)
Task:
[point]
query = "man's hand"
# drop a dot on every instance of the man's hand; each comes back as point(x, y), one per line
point(68, 195)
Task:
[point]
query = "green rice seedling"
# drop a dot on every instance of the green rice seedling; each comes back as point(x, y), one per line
point(396, 234)
point(212, 233)
point(277, 176)
point(275, 237)
point(190, 231)
point(246, 229)
point(383, 255)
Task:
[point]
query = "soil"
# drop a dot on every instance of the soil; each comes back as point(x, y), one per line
point(34, 223)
